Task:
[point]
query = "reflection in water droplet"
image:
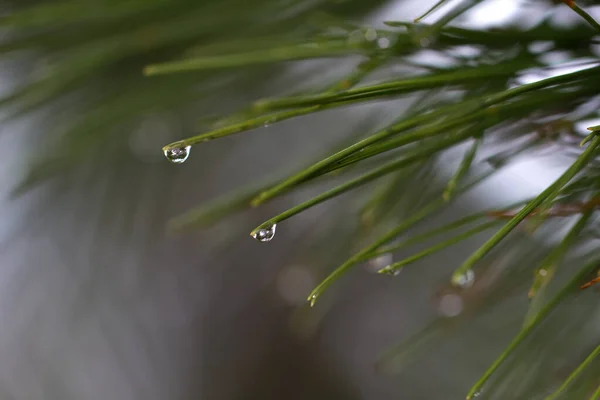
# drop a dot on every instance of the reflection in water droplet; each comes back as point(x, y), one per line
point(450, 305)
point(265, 234)
point(466, 280)
point(177, 155)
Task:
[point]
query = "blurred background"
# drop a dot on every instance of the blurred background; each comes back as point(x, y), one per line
point(99, 300)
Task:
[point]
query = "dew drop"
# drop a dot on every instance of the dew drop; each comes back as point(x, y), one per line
point(425, 42)
point(177, 155)
point(371, 34)
point(312, 300)
point(383, 43)
point(390, 271)
point(265, 234)
point(466, 280)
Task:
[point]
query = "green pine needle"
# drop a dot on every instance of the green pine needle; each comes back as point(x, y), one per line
point(590, 20)
point(575, 168)
point(431, 10)
point(566, 290)
point(463, 169)
point(575, 374)
point(394, 268)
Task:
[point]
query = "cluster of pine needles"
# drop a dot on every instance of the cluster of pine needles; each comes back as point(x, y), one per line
point(488, 107)
point(479, 104)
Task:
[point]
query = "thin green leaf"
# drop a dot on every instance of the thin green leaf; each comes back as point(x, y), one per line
point(463, 169)
point(363, 179)
point(549, 266)
point(412, 220)
point(256, 122)
point(394, 268)
point(575, 374)
point(596, 395)
point(412, 122)
point(438, 231)
point(431, 10)
point(577, 166)
point(287, 53)
point(590, 20)
point(539, 317)
point(443, 79)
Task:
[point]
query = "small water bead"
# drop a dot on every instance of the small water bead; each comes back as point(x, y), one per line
point(390, 271)
point(466, 280)
point(265, 234)
point(424, 42)
point(177, 155)
point(371, 34)
point(383, 43)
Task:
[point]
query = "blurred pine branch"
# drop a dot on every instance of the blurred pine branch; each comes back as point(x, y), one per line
point(191, 51)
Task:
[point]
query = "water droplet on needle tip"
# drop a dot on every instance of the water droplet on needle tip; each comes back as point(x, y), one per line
point(264, 234)
point(177, 155)
point(465, 280)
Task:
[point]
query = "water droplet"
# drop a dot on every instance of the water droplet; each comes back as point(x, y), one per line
point(265, 234)
point(388, 270)
point(383, 43)
point(450, 305)
point(424, 42)
point(312, 299)
point(543, 272)
point(466, 280)
point(371, 34)
point(177, 155)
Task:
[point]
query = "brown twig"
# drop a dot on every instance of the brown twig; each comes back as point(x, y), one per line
point(590, 283)
point(559, 210)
